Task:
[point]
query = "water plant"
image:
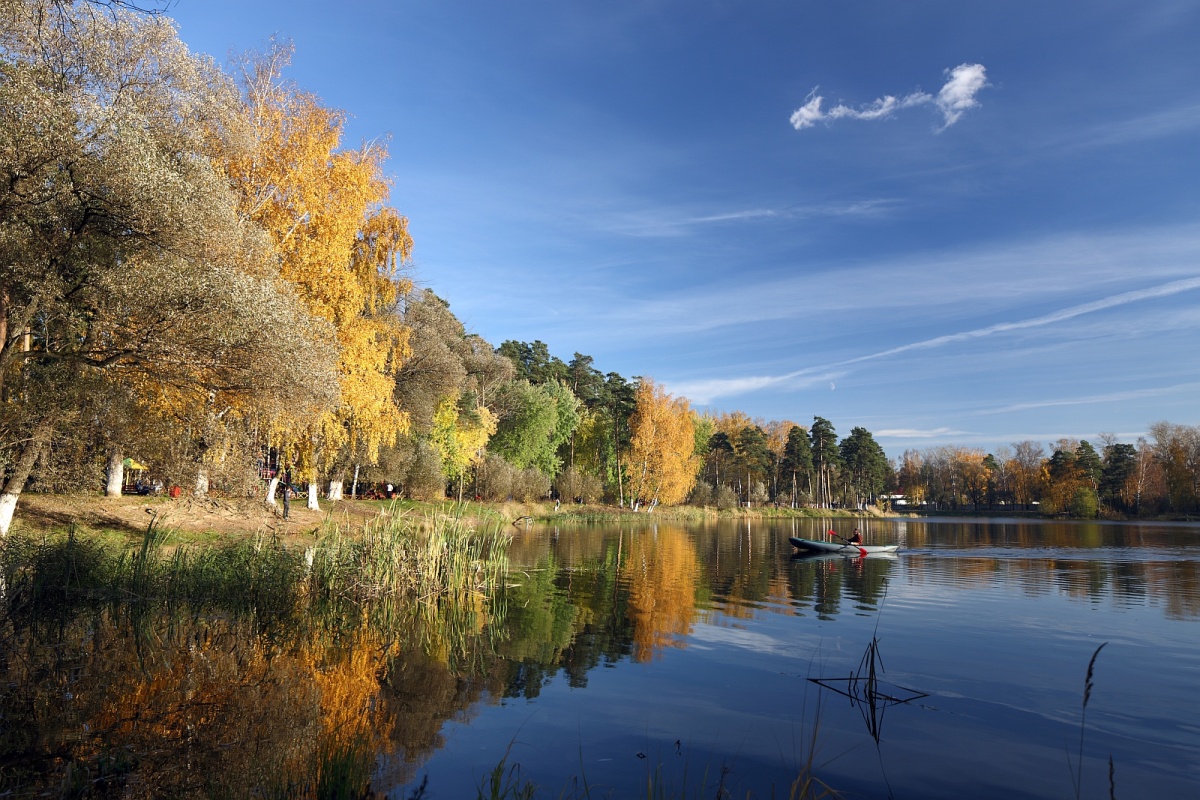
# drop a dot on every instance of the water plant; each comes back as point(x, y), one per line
point(1077, 774)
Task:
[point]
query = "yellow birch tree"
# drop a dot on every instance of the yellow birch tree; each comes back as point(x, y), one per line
point(339, 245)
point(662, 461)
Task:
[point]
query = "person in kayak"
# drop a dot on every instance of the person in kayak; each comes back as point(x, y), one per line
point(856, 537)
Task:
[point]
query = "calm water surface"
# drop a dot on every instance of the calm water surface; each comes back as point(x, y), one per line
point(688, 651)
point(616, 653)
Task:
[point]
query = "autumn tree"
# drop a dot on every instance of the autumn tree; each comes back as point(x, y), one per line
point(910, 477)
point(127, 270)
point(1025, 467)
point(338, 243)
point(662, 460)
point(971, 474)
point(1177, 451)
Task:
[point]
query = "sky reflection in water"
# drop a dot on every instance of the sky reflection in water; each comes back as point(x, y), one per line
point(996, 622)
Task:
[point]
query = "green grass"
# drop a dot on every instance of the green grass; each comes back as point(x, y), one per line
point(394, 556)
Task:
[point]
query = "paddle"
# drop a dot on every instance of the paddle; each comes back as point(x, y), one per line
point(862, 551)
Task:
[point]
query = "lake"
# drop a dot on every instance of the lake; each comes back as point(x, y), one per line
point(699, 657)
point(690, 653)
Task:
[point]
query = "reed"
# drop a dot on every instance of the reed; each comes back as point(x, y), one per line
point(1077, 775)
point(396, 555)
point(505, 783)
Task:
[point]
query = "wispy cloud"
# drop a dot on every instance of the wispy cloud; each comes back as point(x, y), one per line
point(706, 391)
point(1112, 397)
point(666, 223)
point(956, 96)
point(918, 433)
point(703, 392)
point(1165, 290)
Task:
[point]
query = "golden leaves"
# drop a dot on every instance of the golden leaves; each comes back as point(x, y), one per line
point(336, 243)
point(662, 462)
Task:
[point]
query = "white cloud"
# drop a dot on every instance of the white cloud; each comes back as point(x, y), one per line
point(956, 96)
point(917, 433)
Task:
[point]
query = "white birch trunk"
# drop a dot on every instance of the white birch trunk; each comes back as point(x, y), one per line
point(8, 506)
point(272, 487)
point(201, 489)
point(116, 473)
point(335, 489)
point(19, 473)
point(313, 505)
point(354, 484)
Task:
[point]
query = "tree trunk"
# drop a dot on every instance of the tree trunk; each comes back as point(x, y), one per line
point(335, 489)
point(116, 473)
point(201, 489)
point(21, 470)
point(272, 487)
point(354, 484)
point(313, 505)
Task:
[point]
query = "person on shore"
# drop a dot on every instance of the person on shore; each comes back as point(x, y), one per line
point(287, 495)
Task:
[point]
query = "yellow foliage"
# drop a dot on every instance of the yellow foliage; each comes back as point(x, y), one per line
point(662, 462)
point(460, 439)
point(338, 245)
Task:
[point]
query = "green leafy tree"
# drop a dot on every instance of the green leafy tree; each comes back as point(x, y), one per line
point(1089, 464)
point(534, 421)
point(720, 450)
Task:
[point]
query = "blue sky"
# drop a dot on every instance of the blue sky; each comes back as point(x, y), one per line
point(986, 230)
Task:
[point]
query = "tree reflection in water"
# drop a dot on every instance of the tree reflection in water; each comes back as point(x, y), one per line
point(122, 701)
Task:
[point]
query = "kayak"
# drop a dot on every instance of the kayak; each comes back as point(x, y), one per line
point(841, 547)
point(844, 555)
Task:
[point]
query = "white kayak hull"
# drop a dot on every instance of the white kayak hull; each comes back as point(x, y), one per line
point(813, 546)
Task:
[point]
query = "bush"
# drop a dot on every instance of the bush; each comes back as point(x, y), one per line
point(725, 497)
point(1084, 504)
point(494, 479)
point(572, 485)
point(569, 484)
point(530, 485)
point(425, 479)
point(701, 495)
